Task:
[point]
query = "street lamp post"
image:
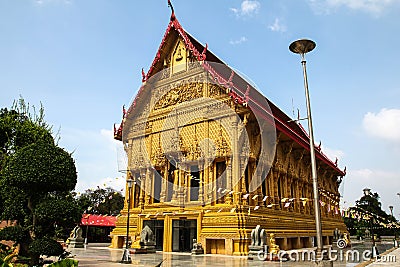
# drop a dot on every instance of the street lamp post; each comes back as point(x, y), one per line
point(375, 253)
point(302, 47)
point(87, 229)
point(394, 229)
point(126, 257)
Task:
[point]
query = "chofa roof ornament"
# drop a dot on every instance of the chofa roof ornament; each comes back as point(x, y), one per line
point(172, 10)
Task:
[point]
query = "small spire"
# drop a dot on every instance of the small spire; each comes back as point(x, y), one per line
point(203, 54)
point(319, 146)
point(246, 94)
point(172, 10)
point(143, 76)
point(231, 76)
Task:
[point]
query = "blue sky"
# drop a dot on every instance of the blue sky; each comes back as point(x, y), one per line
point(82, 60)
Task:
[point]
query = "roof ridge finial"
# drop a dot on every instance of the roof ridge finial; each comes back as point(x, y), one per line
point(143, 75)
point(172, 10)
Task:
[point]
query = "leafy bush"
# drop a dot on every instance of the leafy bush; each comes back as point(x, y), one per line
point(7, 254)
point(56, 216)
point(46, 246)
point(4, 250)
point(13, 233)
point(5, 264)
point(60, 209)
point(65, 263)
point(41, 167)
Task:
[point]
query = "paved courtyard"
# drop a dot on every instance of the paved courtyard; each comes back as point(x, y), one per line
point(387, 260)
point(100, 255)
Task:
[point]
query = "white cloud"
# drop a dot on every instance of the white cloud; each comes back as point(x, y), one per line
point(277, 26)
point(384, 125)
point(247, 8)
point(238, 41)
point(375, 179)
point(374, 7)
point(362, 173)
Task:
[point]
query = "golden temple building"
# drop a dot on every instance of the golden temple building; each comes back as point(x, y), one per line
point(211, 158)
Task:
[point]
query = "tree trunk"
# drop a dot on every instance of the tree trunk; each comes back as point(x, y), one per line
point(34, 258)
point(30, 207)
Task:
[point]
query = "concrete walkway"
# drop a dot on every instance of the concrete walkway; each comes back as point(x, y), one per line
point(101, 255)
point(388, 259)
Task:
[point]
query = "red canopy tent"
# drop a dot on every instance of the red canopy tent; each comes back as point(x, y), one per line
point(98, 220)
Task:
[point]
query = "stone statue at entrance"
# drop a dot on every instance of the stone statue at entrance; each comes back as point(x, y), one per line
point(147, 236)
point(197, 248)
point(147, 239)
point(258, 236)
point(77, 232)
point(336, 234)
point(258, 243)
point(367, 233)
point(75, 239)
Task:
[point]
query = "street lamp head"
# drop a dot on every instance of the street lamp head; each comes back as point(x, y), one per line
point(367, 191)
point(130, 183)
point(302, 46)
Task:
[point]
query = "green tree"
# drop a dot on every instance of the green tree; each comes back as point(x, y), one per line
point(105, 201)
point(36, 180)
point(19, 128)
point(368, 208)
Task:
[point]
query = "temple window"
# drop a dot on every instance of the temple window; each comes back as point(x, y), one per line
point(264, 184)
point(136, 190)
point(170, 184)
point(293, 194)
point(220, 181)
point(157, 186)
point(194, 183)
point(279, 190)
point(246, 177)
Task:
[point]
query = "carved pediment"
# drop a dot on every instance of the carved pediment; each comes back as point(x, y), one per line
point(180, 93)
